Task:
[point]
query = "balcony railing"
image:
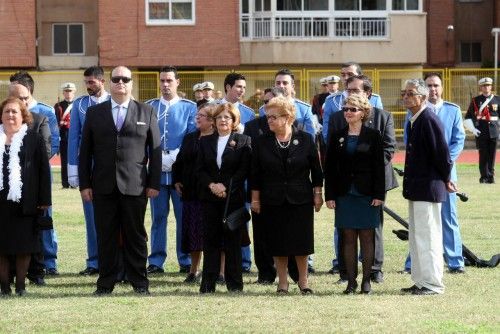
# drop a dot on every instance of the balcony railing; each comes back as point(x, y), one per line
point(314, 28)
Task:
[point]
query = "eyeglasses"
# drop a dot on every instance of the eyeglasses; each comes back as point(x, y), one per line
point(201, 116)
point(409, 94)
point(225, 118)
point(274, 117)
point(123, 79)
point(354, 91)
point(266, 101)
point(346, 109)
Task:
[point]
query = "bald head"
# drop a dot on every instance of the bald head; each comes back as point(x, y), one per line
point(21, 92)
point(121, 84)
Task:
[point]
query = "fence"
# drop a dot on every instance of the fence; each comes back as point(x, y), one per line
point(460, 84)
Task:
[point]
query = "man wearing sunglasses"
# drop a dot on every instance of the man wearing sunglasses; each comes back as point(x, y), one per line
point(93, 78)
point(176, 118)
point(119, 168)
point(382, 121)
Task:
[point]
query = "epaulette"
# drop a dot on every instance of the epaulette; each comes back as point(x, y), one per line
point(451, 104)
point(44, 105)
point(246, 107)
point(302, 102)
point(187, 101)
point(151, 101)
point(375, 94)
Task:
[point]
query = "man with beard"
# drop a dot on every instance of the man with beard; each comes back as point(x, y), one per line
point(94, 82)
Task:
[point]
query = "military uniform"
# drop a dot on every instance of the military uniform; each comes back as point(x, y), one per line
point(485, 119)
point(176, 118)
point(303, 116)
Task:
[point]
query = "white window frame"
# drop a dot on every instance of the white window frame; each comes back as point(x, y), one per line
point(68, 53)
point(419, 9)
point(169, 22)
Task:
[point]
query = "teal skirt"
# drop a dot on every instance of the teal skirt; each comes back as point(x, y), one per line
point(354, 210)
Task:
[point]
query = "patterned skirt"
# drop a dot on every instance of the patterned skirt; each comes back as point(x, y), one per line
point(192, 226)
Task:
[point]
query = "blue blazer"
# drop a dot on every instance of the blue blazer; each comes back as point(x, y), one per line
point(427, 162)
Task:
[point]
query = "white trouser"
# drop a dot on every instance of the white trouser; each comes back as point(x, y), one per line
point(426, 245)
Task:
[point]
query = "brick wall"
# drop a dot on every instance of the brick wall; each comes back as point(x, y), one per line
point(126, 39)
point(17, 33)
point(440, 41)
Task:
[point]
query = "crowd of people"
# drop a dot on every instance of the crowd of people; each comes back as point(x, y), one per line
point(215, 156)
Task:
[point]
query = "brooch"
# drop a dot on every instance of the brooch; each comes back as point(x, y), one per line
point(341, 141)
point(232, 143)
point(295, 142)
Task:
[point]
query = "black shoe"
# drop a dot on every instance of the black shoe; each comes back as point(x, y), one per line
point(52, 272)
point(483, 180)
point(366, 288)
point(490, 180)
point(334, 270)
point(21, 292)
point(264, 281)
point(351, 289)
point(182, 269)
point(246, 270)
point(424, 292)
point(377, 276)
point(103, 291)
point(142, 291)
point(405, 271)
point(220, 280)
point(459, 270)
point(280, 291)
point(306, 291)
point(152, 269)
point(89, 271)
point(410, 289)
point(310, 269)
point(38, 281)
point(5, 290)
point(191, 278)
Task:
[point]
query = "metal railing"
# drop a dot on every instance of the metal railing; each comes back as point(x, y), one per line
point(316, 28)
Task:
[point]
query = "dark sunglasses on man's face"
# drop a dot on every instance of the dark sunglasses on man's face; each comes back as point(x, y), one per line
point(123, 79)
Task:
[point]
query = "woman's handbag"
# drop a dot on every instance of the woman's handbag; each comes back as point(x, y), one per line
point(236, 218)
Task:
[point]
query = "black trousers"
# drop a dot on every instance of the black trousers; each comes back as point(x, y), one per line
point(263, 258)
point(36, 269)
point(63, 153)
point(216, 237)
point(487, 154)
point(116, 214)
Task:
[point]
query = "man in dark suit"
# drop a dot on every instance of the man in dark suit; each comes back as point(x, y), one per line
point(425, 185)
point(382, 121)
point(120, 166)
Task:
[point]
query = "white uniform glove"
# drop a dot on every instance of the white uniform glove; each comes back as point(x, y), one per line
point(470, 126)
point(73, 180)
point(168, 159)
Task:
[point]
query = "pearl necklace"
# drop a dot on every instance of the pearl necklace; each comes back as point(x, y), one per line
point(283, 145)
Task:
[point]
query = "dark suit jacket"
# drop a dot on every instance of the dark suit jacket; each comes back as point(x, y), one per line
point(427, 162)
point(129, 159)
point(292, 182)
point(382, 121)
point(256, 127)
point(184, 168)
point(235, 164)
point(40, 125)
point(35, 173)
point(364, 169)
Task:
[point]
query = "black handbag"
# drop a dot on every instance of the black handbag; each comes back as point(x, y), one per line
point(236, 218)
point(44, 221)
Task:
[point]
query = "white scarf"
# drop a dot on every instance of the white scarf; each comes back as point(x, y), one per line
point(15, 183)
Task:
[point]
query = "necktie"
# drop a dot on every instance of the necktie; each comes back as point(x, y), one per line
point(120, 118)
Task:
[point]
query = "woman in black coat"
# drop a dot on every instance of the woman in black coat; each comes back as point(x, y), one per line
point(286, 186)
point(24, 191)
point(355, 187)
point(186, 184)
point(223, 156)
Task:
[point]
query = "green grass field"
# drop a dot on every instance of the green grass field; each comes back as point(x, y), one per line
point(471, 302)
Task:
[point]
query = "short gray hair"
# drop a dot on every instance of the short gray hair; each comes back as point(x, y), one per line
point(419, 85)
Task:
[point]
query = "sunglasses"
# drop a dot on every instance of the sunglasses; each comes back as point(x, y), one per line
point(123, 79)
point(346, 109)
point(265, 101)
point(410, 94)
point(274, 117)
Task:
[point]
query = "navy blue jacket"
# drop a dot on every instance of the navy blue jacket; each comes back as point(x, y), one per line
point(427, 163)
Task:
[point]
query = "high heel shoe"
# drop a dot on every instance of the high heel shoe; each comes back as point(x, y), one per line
point(281, 291)
point(351, 289)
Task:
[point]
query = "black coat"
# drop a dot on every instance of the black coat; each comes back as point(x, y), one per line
point(427, 162)
point(235, 164)
point(35, 173)
point(293, 181)
point(41, 126)
point(184, 168)
point(364, 169)
point(129, 159)
point(382, 121)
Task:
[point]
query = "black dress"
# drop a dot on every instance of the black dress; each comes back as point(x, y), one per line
point(18, 233)
point(290, 226)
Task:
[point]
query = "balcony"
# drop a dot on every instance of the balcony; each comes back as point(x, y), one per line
point(314, 28)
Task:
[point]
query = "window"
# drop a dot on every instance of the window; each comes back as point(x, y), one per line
point(301, 5)
point(470, 52)
point(360, 4)
point(175, 12)
point(404, 4)
point(262, 5)
point(67, 39)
